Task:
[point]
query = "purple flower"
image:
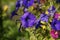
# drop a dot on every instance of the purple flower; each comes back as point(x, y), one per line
point(55, 24)
point(51, 10)
point(37, 24)
point(44, 17)
point(28, 19)
point(18, 4)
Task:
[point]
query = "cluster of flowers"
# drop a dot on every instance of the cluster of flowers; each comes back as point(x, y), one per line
point(28, 19)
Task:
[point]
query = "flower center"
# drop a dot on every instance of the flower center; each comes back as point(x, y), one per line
point(27, 18)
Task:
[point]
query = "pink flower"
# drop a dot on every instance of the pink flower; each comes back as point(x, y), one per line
point(57, 15)
point(54, 34)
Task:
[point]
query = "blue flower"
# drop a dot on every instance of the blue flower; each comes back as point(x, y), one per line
point(13, 13)
point(28, 3)
point(51, 10)
point(55, 24)
point(27, 20)
point(19, 3)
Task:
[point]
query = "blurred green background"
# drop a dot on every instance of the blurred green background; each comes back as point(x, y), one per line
point(10, 29)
